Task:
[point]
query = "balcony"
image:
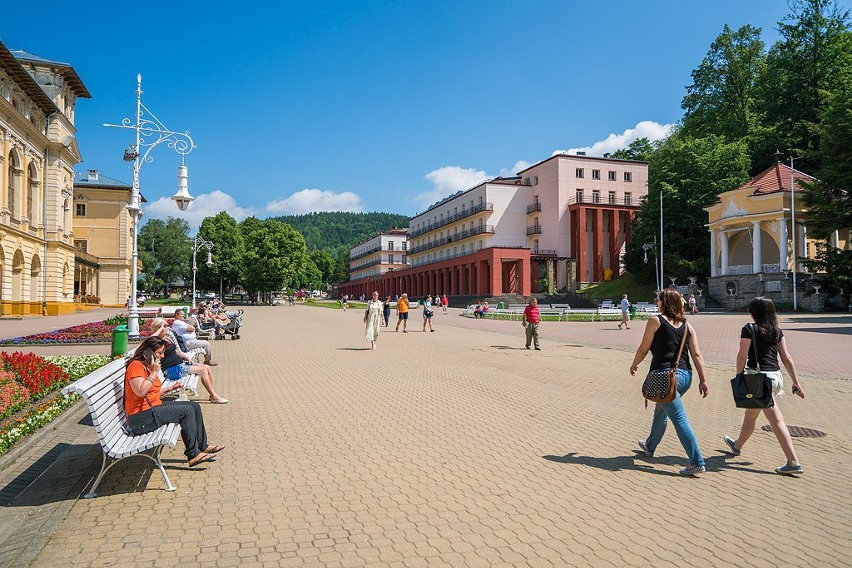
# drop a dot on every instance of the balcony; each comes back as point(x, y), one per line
point(465, 213)
point(533, 207)
point(466, 234)
point(738, 269)
point(542, 252)
point(534, 230)
point(596, 200)
point(86, 258)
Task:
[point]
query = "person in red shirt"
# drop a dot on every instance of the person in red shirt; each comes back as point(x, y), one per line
point(530, 323)
point(444, 303)
point(146, 412)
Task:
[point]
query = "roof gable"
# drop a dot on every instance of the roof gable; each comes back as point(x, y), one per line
point(774, 179)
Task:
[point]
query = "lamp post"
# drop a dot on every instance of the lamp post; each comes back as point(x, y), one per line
point(792, 218)
point(150, 133)
point(653, 247)
point(197, 243)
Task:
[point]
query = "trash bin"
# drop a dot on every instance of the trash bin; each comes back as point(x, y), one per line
point(119, 340)
point(632, 312)
point(501, 306)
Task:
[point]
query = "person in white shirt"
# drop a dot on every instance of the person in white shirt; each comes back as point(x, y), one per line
point(187, 332)
point(625, 312)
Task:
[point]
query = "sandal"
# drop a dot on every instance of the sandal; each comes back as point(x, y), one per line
point(218, 401)
point(214, 449)
point(200, 458)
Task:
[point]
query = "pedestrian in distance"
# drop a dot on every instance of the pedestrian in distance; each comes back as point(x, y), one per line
point(386, 310)
point(428, 312)
point(662, 337)
point(532, 317)
point(444, 304)
point(402, 312)
point(344, 302)
point(373, 320)
point(770, 345)
point(625, 312)
point(693, 304)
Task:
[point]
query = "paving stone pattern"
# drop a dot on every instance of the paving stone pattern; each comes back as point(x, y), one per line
point(455, 448)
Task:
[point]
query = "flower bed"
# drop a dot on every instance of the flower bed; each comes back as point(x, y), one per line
point(28, 390)
point(87, 333)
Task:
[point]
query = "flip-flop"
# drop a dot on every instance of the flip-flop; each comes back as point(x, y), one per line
point(214, 449)
point(200, 458)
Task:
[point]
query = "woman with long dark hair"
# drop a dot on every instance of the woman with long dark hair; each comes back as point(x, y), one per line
point(146, 412)
point(663, 335)
point(770, 346)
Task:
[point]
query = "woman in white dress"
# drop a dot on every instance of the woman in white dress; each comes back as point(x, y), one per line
point(373, 319)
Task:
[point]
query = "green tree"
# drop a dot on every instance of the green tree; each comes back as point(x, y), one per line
point(228, 249)
point(723, 98)
point(324, 262)
point(164, 250)
point(275, 255)
point(810, 62)
point(690, 173)
point(640, 149)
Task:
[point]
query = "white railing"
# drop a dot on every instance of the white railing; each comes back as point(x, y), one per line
point(748, 269)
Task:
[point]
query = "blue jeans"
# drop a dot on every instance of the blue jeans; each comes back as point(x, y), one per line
point(674, 410)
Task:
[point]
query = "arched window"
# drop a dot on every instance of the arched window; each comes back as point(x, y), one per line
point(32, 190)
point(35, 272)
point(14, 183)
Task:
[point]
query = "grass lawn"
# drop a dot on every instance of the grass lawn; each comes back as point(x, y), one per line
point(636, 290)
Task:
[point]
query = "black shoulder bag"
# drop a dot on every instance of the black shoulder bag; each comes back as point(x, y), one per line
point(752, 389)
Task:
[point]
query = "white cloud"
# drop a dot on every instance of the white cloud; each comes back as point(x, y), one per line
point(448, 180)
point(519, 166)
point(312, 200)
point(204, 205)
point(645, 129)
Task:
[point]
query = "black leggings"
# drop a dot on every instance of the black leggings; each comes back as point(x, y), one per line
point(187, 413)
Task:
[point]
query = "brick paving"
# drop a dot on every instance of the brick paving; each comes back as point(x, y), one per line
point(453, 448)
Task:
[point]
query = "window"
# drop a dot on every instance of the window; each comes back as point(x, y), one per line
point(611, 176)
point(535, 180)
point(628, 198)
point(596, 174)
point(80, 210)
point(82, 246)
point(404, 245)
point(612, 198)
point(404, 259)
point(535, 244)
point(579, 172)
point(390, 245)
point(628, 176)
point(579, 196)
point(596, 196)
point(390, 259)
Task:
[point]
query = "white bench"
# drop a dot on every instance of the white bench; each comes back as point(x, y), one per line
point(563, 307)
point(103, 391)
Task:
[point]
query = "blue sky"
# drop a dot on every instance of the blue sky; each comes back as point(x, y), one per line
point(372, 106)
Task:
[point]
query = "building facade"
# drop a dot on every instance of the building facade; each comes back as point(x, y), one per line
point(752, 239)
point(38, 152)
point(103, 238)
point(383, 253)
point(562, 221)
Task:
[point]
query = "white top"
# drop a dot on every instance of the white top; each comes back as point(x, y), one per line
point(625, 304)
point(180, 327)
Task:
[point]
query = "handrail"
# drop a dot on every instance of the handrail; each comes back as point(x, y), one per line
point(451, 219)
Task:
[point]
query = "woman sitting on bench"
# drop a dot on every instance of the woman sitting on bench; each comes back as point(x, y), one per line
point(146, 412)
point(176, 363)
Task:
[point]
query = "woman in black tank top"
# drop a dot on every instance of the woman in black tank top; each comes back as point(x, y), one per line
point(663, 335)
point(770, 346)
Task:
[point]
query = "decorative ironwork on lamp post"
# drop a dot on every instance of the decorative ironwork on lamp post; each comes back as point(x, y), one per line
point(198, 243)
point(150, 133)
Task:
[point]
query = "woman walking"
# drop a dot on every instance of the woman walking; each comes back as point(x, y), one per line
point(428, 312)
point(770, 345)
point(663, 335)
point(386, 309)
point(373, 319)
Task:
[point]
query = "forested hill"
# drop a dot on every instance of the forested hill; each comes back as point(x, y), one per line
point(331, 230)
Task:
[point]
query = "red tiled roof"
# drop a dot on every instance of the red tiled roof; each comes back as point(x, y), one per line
point(773, 179)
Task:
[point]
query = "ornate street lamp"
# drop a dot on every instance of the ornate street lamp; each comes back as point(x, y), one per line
point(197, 243)
point(792, 218)
point(150, 133)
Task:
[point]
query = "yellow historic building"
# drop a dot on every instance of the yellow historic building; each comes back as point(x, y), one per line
point(752, 239)
point(38, 152)
point(103, 237)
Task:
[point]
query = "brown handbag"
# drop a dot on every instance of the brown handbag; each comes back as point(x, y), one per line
point(661, 384)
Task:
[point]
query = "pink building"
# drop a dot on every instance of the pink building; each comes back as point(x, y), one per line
point(562, 221)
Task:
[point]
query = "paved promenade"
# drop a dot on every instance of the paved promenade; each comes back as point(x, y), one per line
point(453, 448)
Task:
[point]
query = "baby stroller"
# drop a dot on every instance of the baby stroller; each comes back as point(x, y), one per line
point(232, 328)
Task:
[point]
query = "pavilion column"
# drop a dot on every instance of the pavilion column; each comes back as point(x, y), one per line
point(783, 260)
point(756, 258)
point(723, 238)
point(581, 244)
point(713, 252)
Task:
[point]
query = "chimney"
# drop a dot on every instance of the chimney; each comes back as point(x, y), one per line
point(93, 175)
point(607, 155)
point(581, 153)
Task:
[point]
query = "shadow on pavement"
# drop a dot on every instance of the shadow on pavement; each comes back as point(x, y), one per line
point(618, 463)
point(837, 330)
